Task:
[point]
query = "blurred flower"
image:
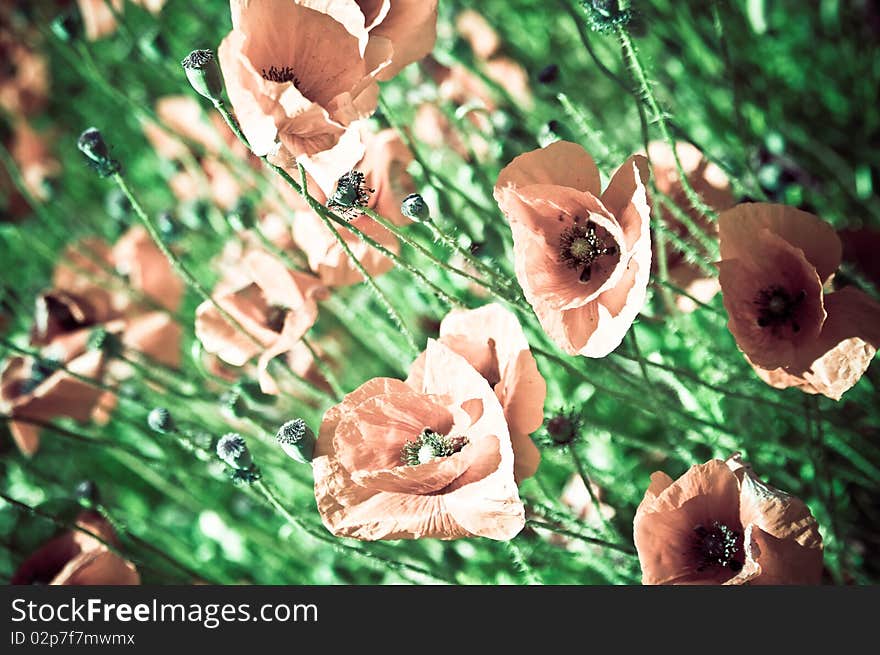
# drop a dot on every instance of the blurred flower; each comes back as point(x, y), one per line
point(276, 308)
point(492, 341)
point(383, 167)
point(720, 524)
point(77, 558)
point(99, 16)
point(24, 76)
point(475, 29)
point(432, 128)
point(713, 187)
point(395, 463)
point(37, 390)
point(583, 259)
point(775, 262)
point(36, 163)
point(576, 497)
point(300, 76)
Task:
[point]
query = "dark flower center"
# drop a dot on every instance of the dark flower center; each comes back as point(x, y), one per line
point(580, 246)
point(280, 75)
point(717, 545)
point(351, 192)
point(777, 307)
point(275, 317)
point(430, 445)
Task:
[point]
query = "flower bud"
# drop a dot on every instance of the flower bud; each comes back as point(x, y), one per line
point(86, 493)
point(415, 207)
point(297, 440)
point(562, 429)
point(91, 143)
point(107, 342)
point(605, 16)
point(233, 450)
point(241, 217)
point(159, 420)
point(204, 74)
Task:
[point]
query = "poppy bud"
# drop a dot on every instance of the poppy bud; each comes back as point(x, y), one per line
point(204, 74)
point(297, 440)
point(91, 143)
point(86, 493)
point(233, 403)
point(233, 450)
point(67, 26)
point(159, 420)
point(415, 207)
point(241, 217)
point(562, 429)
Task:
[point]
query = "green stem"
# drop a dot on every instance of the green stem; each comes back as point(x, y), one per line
point(520, 563)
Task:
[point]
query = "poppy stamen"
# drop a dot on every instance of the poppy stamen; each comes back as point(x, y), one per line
point(777, 307)
point(351, 193)
point(580, 246)
point(280, 75)
point(430, 445)
point(275, 317)
point(716, 546)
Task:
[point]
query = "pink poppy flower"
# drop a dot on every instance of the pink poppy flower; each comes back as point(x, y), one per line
point(99, 19)
point(582, 258)
point(392, 462)
point(492, 341)
point(720, 524)
point(276, 308)
point(386, 184)
point(775, 261)
point(77, 558)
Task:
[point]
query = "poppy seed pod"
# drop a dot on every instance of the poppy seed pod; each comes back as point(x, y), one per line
point(159, 420)
point(415, 207)
point(91, 143)
point(297, 440)
point(204, 75)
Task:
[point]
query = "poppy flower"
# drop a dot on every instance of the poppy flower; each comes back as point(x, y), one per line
point(382, 178)
point(713, 187)
point(582, 257)
point(297, 76)
point(409, 26)
point(492, 341)
point(392, 462)
point(99, 16)
point(720, 524)
point(475, 29)
point(775, 261)
point(77, 558)
point(24, 76)
point(35, 162)
point(276, 308)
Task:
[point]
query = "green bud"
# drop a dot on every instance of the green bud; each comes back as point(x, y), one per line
point(159, 420)
point(203, 74)
point(297, 440)
point(107, 342)
point(233, 450)
point(415, 207)
point(91, 143)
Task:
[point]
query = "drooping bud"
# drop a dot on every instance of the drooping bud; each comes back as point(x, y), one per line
point(159, 420)
point(233, 450)
point(415, 208)
point(91, 143)
point(297, 440)
point(204, 74)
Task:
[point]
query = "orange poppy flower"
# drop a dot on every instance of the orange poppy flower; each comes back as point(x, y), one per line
point(387, 183)
point(298, 76)
point(582, 258)
point(492, 341)
point(475, 29)
point(775, 261)
point(713, 187)
point(720, 524)
point(99, 19)
point(77, 558)
point(395, 463)
point(277, 307)
point(36, 163)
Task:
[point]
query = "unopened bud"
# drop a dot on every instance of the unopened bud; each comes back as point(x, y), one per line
point(562, 429)
point(86, 493)
point(415, 208)
point(297, 440)
point(91, 143)
point(159, 420)
point(204, 74)
point(107, 342)
point(605, 16)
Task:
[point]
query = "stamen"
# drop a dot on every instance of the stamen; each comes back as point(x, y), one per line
point(580, 246)
point(351, 193)
point(280, 75)
point(429, 446)
point(777, 307)
point(716, 546)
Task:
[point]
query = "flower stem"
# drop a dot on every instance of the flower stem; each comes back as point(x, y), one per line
point(520, 563)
